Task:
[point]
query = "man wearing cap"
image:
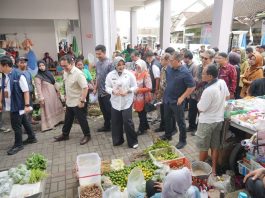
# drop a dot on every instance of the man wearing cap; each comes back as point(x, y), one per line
point(15, 98)
point(21, 63)
point(121, 85)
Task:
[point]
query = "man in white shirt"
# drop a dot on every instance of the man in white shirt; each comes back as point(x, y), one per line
point(211, 108)
point(121, 85)
point(15, 98)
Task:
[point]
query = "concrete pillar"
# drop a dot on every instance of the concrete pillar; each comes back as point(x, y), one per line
point(97, 24)
point(88, 38)
point(165, 23)
point(133, 27)
point(222, 22)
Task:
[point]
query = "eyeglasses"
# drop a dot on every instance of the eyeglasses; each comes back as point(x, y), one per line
point(204, 58)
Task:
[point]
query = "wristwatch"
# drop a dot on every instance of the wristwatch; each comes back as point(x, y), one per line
point(27, 105)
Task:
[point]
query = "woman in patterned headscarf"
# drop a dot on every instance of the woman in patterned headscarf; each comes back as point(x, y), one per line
point(252, 73)
point(143, 94)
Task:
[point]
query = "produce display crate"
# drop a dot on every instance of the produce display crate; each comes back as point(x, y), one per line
point(179, 163)
point(173, 149)
point(254, 165)
point(36, 190)
point(243, 168)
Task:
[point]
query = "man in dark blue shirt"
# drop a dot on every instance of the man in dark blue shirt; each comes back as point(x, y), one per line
point(180, 85)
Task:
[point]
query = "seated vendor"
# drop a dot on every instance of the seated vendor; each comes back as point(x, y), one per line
point(255, 183)
point(178, 183)
point(257, 87)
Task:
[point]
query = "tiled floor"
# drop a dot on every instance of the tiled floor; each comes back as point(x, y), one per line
point(62, 155)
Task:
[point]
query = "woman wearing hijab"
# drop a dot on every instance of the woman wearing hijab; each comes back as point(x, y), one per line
point(142, 95)
point(252, 73)
point(121, 85)
point(52, 111)
point(177, 184)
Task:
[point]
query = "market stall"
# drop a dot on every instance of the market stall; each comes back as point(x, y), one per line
point(114, 178)
point(248, 116)
point(25, 180)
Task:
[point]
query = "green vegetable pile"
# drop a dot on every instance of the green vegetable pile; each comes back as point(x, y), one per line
point(157, 145)
point(37, 175)
point(164, 154)
point(120, 177)
point(20, 174)
point(36, 161)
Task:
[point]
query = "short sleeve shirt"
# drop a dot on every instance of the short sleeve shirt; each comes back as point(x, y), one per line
point(178, 80)
point(102, 70)
point(74, 82)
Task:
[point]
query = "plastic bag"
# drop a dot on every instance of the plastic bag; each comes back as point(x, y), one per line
point(221, 183)
point(136, 183)
point(93, 98)
point(114, 191)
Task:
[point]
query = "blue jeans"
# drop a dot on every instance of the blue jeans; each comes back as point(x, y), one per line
point(171, 110)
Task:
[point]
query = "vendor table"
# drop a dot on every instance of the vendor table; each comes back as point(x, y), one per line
point(244, 129)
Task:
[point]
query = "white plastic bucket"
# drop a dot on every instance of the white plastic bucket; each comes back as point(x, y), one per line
point(89, 169)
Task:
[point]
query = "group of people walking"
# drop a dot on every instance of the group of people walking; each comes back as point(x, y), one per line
point(170, 77)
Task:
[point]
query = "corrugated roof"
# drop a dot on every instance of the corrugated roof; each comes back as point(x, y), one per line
point(241, 8)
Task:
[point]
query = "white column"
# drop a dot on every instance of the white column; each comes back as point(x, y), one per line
point(97, 24)
point(222, 22)
point(133, 27)
point(165, 23)
point(105, 24)
point(86, 21)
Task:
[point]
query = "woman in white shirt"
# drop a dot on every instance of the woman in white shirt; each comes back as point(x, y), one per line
point(121, 85)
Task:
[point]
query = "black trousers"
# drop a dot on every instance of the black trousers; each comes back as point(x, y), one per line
point(122, 121)
point(193, 112)
point(143, 124)
point(16, 122)
point(177, 111)
point(255, 188)
point(80, 114)
point(162, 122)
point(105, 107)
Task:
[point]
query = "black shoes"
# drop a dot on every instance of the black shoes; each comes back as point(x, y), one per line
point(103, 129)
point(181, 145)
point(118, 143)
point(163, 137)
point(30, 141)
point(61, 138)
point(15, 149)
